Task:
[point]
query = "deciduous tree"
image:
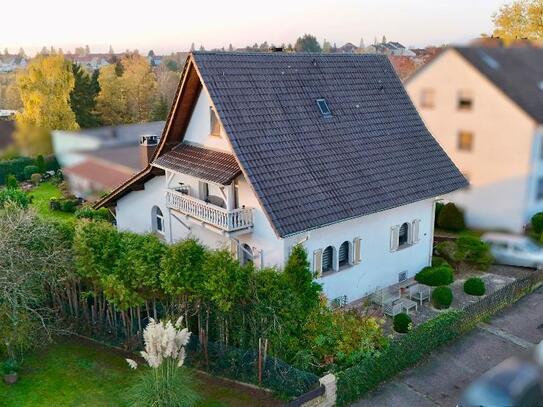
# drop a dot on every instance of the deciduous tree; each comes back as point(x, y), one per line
point(45, 88)
point(307, 43)
point(519, 19)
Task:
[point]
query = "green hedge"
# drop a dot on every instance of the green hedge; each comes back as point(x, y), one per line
point(17, 167)
point(354, 382)
point(435, 275)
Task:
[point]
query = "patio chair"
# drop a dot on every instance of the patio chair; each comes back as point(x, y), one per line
point(384, 296)
point(419, 292)
point(392, 309)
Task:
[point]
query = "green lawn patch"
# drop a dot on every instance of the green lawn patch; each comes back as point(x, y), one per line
point(75, 372)
point(41, 196)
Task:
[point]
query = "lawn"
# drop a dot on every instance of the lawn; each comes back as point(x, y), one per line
point(74, 372)
point(40, 202)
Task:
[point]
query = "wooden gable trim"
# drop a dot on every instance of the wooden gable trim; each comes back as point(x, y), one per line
point(176, 124)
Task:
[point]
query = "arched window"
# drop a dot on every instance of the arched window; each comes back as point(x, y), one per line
point(246, 254)
point(328, 259)
point(157, 220)
point(343, 254)
point(403, 238)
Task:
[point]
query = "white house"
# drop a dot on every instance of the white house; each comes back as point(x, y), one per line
point(485, 107)
point(265, 151)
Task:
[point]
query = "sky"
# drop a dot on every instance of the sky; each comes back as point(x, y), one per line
point(169, 25)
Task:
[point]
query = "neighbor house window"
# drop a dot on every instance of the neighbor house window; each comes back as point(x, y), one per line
point(157, 220)
point(343, 254)
point(328, 259)
point(403, 235)
point(465, 140)
point(215, 125)
point(465, 100)
point(539, 192)
point(427, 98)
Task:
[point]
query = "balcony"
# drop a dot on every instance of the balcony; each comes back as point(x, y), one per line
point(227, 220)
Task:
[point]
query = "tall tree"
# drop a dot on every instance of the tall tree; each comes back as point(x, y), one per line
point(384, 40)
point(45, 88)
point(326, 46)
point(111, 101)
point(519, 19)
point(83, 98)
point(307, 43)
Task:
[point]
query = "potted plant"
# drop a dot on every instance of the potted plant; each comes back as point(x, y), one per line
point(10, 367)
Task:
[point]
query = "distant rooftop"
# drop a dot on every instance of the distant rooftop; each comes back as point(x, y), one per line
point(127, 156)
point(120, 135)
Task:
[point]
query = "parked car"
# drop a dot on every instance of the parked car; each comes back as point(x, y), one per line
point(511, 383)
point(514, 250)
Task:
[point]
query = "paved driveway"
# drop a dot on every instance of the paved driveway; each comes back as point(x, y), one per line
point(441, 379)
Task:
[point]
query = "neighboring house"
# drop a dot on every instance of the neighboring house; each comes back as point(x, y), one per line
point(265, 151)
point(104, 169)
point(7, 128)
point(90, 62)
point(390, 48)
point(348, 48)
point(70, 146)
point(10, 63)
point(485, 107)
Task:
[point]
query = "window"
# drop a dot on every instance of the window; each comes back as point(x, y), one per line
point(539, 192)
point(157, 220)
point(328, 259)
point(402, 276)
point(214, 125)
point(427, 98)
point(343, 254)
point(323, 107)
point(465, 100)
point(246, 254)
point(403, 236)
point(465, 140)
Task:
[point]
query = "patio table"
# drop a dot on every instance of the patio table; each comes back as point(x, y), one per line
point(407, 304)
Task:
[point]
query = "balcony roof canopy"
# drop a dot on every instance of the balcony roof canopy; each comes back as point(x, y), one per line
point(214, 166)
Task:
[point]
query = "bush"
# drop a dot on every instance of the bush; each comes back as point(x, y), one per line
point(29, 170)
point(40, 163)
point(439, 207)
point(467, 250)
point(14, 167)
point(451, 218)
point(401, 323)
point(442, 297)
point(35, 178)
point(474, 286)
point(13, 196)
point(11, 182)
point(87, 212)
point(435, 275)
point(68, 205)
point(10, 366)
point(439, 261)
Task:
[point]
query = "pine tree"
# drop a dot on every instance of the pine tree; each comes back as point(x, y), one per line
point(83, 98)
point(230, 48)
point(384, 41)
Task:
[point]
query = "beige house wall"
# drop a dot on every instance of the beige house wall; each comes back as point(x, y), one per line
point(500, 166)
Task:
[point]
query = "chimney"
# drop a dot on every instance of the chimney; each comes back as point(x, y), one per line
point(148, 145)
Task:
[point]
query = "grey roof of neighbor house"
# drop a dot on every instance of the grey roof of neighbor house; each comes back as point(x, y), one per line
point(120, 134)
point(210, 165)
point(125, 155)
point(373, 153)
point(517, 71)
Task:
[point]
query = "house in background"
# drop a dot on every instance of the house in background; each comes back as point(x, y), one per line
point(266, 151)
point(484, 105)
point(97, 160)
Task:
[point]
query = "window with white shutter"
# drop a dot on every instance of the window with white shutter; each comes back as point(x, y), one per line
point(394, 233)
point(343, 254)
point(317, 262)
point(415, 231)
point(357, 255)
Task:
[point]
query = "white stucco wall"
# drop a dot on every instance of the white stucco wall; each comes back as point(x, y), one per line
point(499, 165)
point(379, 266)
point(199, 129)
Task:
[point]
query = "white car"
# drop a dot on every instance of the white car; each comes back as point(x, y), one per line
point(514, 250)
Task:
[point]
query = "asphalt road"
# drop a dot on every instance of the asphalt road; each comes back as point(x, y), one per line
point(440, 380)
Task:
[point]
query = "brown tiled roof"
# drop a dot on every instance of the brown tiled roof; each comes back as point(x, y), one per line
point(214, 166)
point(108, 176)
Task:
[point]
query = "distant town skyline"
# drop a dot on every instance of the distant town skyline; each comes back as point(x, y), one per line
point(166, 26)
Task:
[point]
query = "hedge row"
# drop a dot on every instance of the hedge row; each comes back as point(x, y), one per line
point(17, 167)
point(354, 382)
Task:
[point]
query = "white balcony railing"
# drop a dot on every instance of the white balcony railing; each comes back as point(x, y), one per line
point(224, 219)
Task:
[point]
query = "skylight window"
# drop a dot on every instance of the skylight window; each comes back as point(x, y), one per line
point(540, 85)
point(323, 107)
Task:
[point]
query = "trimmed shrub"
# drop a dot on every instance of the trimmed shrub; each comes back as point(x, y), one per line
point(14, 167)
point(451, 218)
point(35, 178)
point(68, 205)
point(439, 261)
point(40, 163)
point(474, 286)
point(442, 297)
point(537, 223)
point(401, 323)
point(87, 212)
point(11, 182)
point(435, 275)
point(29, 170)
